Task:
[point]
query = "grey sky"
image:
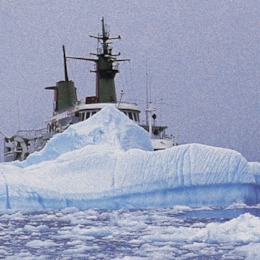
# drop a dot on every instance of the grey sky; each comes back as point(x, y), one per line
point(200, 59)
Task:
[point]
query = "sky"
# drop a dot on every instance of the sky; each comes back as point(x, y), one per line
point(199, 59)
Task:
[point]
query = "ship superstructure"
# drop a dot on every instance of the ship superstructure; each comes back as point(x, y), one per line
point(68, 109)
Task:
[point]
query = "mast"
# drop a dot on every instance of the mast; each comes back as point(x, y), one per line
point(65, 64)
point(105, 36)
point(149, 110)
point(65, 93)
point(106, 66)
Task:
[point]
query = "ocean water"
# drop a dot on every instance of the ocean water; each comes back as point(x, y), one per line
point(176, 233)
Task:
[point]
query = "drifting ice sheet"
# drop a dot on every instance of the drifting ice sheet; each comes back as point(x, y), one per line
point(107, 162)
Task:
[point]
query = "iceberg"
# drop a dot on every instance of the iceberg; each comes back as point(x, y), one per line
point(107, 162)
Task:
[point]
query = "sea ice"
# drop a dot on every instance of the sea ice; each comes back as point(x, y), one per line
point(126, 234)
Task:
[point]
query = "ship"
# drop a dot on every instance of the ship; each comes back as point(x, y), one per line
point(68, 109)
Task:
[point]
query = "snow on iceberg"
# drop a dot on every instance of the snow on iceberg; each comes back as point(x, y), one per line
point(255, 170)
point(107, 162)
point(109, 128)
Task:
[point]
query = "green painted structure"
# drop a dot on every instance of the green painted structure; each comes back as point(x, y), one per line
point(65, 93)
point(105, 69)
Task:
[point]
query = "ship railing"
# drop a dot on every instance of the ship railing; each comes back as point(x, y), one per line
point(127, 102)
point(33, 133)
point(82, 101)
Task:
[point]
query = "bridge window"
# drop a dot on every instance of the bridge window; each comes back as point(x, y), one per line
point(130, 115)
point(137, 117)
point(81, 116)
point(87, 115)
